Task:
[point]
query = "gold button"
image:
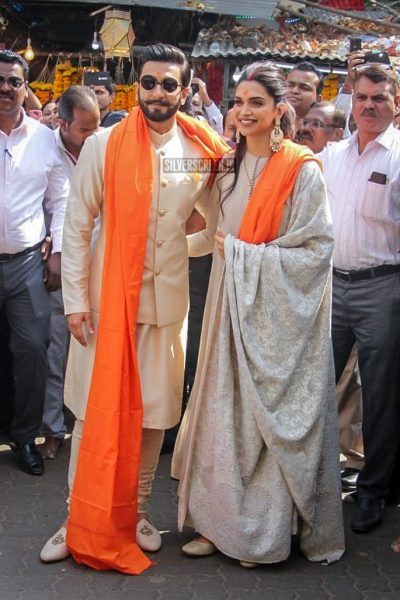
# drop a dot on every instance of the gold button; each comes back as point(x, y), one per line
point(164, 183)
point(156, 273)
point(159, 243)
point(162, 212)
point(162, 152)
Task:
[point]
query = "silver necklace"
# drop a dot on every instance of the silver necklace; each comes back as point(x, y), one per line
point(254, 174)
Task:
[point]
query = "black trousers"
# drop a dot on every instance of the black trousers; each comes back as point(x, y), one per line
point(367, 312)
point(25, 303)
point(6, 377)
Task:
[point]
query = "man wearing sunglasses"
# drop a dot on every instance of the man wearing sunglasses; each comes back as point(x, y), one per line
point(31, 179)
point(322, 124)
point(135, 287)
point(360, 173)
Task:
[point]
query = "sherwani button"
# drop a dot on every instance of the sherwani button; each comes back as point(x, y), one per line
point(160, 243)
point(162, 212)
point(164, 183)
point(156, 273)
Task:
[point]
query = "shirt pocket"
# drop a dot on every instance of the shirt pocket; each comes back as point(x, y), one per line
point(374, 205)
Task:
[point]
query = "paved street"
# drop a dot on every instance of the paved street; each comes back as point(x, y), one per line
point(32, 507)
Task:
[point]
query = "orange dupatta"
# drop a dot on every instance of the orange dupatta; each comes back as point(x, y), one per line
point(263, 214)
point(101, 530)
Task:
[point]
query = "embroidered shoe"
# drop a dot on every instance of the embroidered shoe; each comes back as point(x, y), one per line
point(200, 546)
point(56, 547)
point(148, 538)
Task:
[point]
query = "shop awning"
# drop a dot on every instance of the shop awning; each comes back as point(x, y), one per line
point(259, 9)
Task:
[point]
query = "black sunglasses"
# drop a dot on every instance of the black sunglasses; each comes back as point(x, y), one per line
point(14, 82)
point(169, 84)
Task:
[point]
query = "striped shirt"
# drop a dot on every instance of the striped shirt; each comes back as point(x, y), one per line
point(364, 196)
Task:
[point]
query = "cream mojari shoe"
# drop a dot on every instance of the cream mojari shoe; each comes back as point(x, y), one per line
point(246, 564)
point(200, 546)
point(148, 538)
point(56, 547)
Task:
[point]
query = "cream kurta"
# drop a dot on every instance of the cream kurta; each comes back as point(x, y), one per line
point(258, 446)
point(164, 295)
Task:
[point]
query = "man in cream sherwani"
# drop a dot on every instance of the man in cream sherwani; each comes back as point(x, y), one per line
point(160, 336)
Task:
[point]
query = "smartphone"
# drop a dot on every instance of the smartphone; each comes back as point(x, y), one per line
point(195, 88)
point(355, 44)
point(96, 78)
point(381, 58)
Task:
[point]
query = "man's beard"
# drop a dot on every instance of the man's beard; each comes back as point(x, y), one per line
point(159, 116)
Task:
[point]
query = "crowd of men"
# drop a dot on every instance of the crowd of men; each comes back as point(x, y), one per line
point(362, 174)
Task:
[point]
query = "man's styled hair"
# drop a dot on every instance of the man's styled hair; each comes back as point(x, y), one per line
point(338, 114)
point(308, 67)
point(168, 54)
point(76, 96)
point(10, 57)
point(377, 73)
point(110, 88)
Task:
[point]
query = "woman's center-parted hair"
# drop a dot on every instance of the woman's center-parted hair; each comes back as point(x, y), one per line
point(274, 82)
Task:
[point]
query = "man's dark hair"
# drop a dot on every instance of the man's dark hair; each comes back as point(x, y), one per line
point(76, 96)
point(169, 54)
point(338, 115)
point(10, 57)
point(376, 73)
point(110, 88)
point(310, 68)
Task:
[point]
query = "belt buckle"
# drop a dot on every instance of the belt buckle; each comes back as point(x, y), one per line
point(345, 275)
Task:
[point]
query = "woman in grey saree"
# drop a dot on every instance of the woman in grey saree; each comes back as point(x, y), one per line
point(257, 453)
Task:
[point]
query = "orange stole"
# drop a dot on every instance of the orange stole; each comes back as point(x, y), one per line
point(101, 530)
point(263, 214)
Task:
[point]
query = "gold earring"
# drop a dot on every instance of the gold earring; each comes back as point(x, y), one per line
point(237, 136)
point(276, 138)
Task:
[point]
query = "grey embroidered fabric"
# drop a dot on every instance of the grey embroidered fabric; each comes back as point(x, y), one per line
point(258, 450)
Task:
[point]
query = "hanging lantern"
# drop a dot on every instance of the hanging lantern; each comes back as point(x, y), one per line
point(117, 34)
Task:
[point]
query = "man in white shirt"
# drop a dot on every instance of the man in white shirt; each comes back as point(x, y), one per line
point(32, 179)
point(79, 117)
point(360, 173)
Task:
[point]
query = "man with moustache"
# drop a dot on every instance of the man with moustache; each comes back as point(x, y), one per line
point(79, 117)
point(32, 181)
point(360, 173)
point(126, 310)
point(323, 123)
